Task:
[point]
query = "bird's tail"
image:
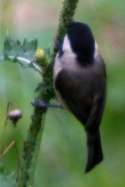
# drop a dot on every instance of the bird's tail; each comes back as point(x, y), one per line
point(95, 154)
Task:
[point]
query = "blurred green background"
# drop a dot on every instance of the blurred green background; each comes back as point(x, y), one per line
point(62, 155)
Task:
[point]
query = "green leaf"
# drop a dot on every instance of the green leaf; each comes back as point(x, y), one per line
point(14, 48)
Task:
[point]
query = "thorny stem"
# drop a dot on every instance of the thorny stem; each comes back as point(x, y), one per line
point(66, 17)
point(46, 93)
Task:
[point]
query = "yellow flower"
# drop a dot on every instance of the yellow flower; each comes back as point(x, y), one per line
point(40, 54)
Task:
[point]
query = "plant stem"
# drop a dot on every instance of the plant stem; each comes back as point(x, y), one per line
point(66, 17)
point(46, 93)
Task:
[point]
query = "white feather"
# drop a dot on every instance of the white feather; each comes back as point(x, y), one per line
point(96, 52)
point(66, 44)
point(67, 59)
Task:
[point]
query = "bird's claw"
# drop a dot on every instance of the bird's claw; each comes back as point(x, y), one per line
point(44, 106)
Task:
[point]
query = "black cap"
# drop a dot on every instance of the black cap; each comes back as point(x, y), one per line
point(82, 41)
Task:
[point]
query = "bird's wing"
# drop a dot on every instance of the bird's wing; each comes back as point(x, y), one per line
point(97, 109)
point(69, 92)
point(96, 112)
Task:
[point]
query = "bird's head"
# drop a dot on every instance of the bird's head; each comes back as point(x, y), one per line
point(80, 41)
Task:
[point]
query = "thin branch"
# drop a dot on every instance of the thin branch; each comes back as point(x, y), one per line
point(32, 143)
point(66, 17)
point(23, 61)
point(6, 150)
point(30, 63)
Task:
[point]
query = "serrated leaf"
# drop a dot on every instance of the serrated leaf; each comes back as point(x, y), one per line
point(14, 48)
point(8, 44)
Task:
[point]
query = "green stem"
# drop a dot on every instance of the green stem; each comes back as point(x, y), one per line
point(29, 156)
point(65, 19)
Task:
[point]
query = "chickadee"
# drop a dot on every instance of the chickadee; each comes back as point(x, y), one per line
point(80, 82)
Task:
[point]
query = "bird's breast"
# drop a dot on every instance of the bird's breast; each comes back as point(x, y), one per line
point(66, 62)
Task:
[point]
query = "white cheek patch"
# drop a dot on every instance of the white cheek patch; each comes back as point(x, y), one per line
point(67, 60)
point(67, 45)
point(96, 52)
point(57, 66)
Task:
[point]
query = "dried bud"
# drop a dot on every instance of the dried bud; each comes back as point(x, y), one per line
point(14, 115)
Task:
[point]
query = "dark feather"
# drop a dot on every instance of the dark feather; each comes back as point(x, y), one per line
point(84, 94)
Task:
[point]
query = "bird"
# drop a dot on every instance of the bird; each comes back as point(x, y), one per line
point(79, 79)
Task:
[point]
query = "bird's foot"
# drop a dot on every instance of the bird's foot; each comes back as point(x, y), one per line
point(40, 104)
